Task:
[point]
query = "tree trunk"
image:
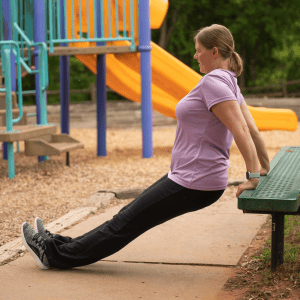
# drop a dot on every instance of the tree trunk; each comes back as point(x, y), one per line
point(166, 32)
point(163, 34)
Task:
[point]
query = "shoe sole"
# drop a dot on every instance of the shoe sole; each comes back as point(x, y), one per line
point(35, 257)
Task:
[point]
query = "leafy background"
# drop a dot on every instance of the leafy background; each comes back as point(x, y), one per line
point(266, 34)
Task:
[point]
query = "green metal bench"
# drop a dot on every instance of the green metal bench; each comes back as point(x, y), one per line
point(276, 194)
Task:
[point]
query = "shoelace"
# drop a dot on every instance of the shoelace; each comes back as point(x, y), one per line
point(39, 240)
point(49, 233)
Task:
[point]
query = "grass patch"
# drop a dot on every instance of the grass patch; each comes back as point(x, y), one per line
point(253, 277)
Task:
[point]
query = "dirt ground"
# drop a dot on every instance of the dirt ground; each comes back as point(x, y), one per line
point(51, 189)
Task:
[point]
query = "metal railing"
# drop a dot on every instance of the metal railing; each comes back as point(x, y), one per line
point(71, 21)
point(11, 50)
point(7, 48)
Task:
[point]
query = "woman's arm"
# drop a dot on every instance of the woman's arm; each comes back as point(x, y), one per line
point(261, 151)
point(231, 116)
point(247, 148)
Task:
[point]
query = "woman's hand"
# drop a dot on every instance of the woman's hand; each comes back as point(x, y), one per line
point(251, 184)
point(264, 171)
point(248, 185)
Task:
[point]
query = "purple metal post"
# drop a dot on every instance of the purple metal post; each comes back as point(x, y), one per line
point(7, 32)
point(101, 91)
point(39, 36)
point(64, 62)
point(146, 74)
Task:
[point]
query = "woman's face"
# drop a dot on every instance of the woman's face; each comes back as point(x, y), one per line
point(204, 58)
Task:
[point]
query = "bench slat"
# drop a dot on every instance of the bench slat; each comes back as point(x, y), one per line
point(279, 190)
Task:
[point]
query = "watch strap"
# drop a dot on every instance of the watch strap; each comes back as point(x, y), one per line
point(252, 175)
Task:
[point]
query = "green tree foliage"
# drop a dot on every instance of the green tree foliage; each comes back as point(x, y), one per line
point(80, 78)
point(258, 27)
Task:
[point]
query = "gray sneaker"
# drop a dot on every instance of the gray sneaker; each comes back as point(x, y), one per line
point(40, 228)
point(35, 244)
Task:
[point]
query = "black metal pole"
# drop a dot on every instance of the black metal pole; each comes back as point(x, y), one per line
point(277, 250)
point(68, 159)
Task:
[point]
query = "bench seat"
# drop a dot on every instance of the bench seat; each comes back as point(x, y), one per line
point(279, 190)
point(276, 194)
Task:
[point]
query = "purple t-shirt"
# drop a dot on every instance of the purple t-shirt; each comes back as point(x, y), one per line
point(200, 155)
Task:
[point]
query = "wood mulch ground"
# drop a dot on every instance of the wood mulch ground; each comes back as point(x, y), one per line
point(51, 189)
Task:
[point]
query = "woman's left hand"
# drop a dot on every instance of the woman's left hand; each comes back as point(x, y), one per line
point(248, 185)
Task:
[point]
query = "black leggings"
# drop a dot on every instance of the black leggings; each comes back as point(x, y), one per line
point(162, 201)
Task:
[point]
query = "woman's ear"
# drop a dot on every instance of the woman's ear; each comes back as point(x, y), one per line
point(215, 50)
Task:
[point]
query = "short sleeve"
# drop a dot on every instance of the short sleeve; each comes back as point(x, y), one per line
point(216, 89)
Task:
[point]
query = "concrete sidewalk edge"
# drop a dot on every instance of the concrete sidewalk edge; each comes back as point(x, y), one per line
point(100, 200)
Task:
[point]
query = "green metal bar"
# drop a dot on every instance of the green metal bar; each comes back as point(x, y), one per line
point(54, 22)
point(102, 19)
point(20, 15)
point(7, 75)
point(41, 89)
point(9, 125)
point(14, 19)
point(29, 92)
point(20, 31)
point(11, 160)
point(28, 25)
point(88, 19)
point(132, 25)
point(9, 118)
point(29, 30)
point(124, 19)
point(94, 40)
point(51, 26)
point(65, 13)
point(95, 19)
point(80, 20)
point(109, 18)
point(20, 97)
point(57, 20)
point(23, 63)
point(117, 19)
point(73, 21)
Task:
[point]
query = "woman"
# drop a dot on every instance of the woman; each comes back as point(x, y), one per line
point(208, 119)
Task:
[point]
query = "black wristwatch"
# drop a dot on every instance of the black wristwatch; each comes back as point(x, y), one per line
point(252, 175)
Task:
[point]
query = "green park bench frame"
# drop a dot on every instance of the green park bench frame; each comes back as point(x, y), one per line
point(276, 194)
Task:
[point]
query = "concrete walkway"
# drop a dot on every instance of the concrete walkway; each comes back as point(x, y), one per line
point(189, 257)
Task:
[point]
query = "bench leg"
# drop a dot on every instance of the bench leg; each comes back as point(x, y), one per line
point(68, 159)
point(277, 250)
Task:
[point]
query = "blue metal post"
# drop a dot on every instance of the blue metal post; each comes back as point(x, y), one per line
point(64, 62)
point(39, 36)
point(101, 91)
point(7, 32)
point(146, 73)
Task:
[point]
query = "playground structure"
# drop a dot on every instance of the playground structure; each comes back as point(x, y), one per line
point(112, 38)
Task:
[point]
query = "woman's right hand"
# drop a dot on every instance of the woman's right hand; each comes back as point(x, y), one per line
point(264, 171)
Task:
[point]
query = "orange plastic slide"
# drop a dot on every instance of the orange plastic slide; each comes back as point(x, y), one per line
point(171, 79)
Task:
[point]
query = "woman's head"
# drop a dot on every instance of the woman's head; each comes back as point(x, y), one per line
point(215, 49)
